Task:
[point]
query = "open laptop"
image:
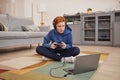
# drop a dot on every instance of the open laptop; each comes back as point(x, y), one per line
point(84, 63)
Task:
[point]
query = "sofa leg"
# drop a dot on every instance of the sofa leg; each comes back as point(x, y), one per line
point(30, 45)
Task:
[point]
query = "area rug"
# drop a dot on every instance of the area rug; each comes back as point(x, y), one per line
point(40, 71)
point(103, 55)
point(2, 70)
point(19, 63)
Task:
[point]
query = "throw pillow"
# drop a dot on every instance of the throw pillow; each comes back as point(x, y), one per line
point(3, 27)
point(32, 28)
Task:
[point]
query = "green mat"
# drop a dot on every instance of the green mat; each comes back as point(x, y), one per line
point(42, 73)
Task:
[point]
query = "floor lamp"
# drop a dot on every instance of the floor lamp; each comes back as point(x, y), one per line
point(42, 11)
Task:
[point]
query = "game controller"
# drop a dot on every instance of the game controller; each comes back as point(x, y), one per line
point(58, 44)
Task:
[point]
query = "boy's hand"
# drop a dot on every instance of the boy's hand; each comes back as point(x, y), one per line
point(63, 45)
point(53, 45)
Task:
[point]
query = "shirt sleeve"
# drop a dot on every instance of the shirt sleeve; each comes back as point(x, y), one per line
point(47, 39)
point(69, 42)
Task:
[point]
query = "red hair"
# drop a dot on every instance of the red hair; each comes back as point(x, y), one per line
point(57, 20)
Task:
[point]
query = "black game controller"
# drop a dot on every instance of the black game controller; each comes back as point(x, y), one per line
point(58, 44)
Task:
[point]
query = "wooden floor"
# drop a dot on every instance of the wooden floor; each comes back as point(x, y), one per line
point(110, 69)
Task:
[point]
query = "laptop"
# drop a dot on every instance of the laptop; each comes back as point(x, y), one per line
point(84, 63)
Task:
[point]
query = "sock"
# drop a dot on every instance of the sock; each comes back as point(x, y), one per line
point(68, 59)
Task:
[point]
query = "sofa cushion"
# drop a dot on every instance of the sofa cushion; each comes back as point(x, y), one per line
point(4, 20)
point(16, 23)
point(44, 28)
point(21, 35)
point(36, 34)
point(31, 28)
point(12, 35)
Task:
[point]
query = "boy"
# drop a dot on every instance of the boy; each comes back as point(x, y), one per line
point(57, 43)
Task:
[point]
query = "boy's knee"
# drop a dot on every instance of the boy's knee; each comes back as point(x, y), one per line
point(38, 49)
point(76, 50)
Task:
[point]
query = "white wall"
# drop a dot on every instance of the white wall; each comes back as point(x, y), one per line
point(27, 8)
point(19, 8)
point(4, 6)
point(60, 7)
point(13, 7)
